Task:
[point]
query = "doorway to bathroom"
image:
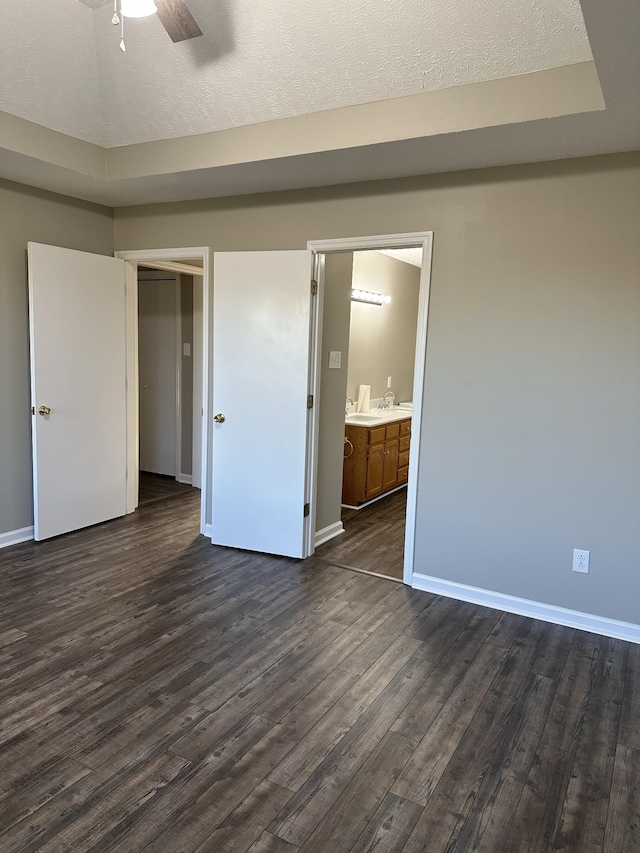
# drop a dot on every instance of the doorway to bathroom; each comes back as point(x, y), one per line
point(374, 305)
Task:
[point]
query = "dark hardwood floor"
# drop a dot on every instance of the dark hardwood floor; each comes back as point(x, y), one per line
point(373, 540)
point(160, 694)
point(157, 487)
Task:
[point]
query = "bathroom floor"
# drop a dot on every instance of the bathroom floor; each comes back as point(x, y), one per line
point(373, 540)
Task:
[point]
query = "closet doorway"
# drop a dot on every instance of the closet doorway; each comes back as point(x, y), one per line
point(166, 338)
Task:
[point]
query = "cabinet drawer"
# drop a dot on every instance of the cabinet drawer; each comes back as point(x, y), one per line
point(393, 431)
point(376, 435)
point(403, 474)
point(403, 459)
point(405, 443)
point(405, 427)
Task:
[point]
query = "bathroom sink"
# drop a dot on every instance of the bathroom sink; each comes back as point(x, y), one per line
point(362, 419)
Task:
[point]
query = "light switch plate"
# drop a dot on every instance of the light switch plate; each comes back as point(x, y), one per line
point(186, 349)
point(335, 360)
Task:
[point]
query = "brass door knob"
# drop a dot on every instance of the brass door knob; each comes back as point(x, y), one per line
point(44, 410)
point(219, 418)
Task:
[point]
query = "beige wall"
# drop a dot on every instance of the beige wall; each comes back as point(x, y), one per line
point(338, 273)
point(530, 442)
point(28, 214)
point(383, 337)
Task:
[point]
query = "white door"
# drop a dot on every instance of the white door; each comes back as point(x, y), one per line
point(158, 370)
point(77, 351)
point(261, 315)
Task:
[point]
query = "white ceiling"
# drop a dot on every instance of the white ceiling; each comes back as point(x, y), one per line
point(48, 74)
point(96, 4)
point(49, 66)
point(409, 256)
point(60, 65)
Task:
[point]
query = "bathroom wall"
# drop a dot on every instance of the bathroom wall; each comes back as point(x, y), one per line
point(333, 387)
point(383, 337)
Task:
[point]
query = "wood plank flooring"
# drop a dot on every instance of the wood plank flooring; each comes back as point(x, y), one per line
point(373, 540)
point(159, 694)
point(157, 487)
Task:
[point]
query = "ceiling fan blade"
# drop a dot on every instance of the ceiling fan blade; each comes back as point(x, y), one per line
point(177, 20)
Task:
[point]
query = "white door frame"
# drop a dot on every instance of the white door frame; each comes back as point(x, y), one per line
point(317, 249)
point(133, 258)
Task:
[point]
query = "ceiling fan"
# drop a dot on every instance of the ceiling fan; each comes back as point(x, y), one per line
point(174, 16)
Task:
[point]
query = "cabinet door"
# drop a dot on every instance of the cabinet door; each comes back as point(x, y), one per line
point(390, 473)
point(354, 469)
point(375, 470)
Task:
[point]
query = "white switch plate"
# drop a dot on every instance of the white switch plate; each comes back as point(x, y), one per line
point(388, 382)
point(581, 561)
point(186, 349)
point(335, 360)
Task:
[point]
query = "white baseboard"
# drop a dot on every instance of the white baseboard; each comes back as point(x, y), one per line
point(328, 533)
point(12, 537)
point(208, 530)
point(187, 479)
point(525, 607)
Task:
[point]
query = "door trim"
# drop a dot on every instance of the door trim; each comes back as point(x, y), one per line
point(133, 258)
point(317, 250)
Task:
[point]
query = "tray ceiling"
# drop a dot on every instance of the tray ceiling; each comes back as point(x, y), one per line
point(261, 80)
point(60, 65)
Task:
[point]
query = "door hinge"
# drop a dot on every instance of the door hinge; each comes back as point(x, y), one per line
point(310, 401)
point(33, 410)
point(314, 287)
point(307, 510)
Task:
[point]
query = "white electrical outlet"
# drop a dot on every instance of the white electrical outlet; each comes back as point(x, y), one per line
point(388, 382)
point(580, 561)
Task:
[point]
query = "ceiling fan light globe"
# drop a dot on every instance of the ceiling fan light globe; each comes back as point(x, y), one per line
point(138, 8)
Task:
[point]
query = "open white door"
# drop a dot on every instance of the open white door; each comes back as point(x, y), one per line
point(261, 315)
point(77, 350)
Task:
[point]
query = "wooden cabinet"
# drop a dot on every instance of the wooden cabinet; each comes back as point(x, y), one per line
point(375, 470)
point(390, 477)
point(379, 461)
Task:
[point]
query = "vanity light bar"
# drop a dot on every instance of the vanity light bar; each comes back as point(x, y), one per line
point(369, 297)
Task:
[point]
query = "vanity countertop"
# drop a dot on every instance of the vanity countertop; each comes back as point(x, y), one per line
point(377, 417)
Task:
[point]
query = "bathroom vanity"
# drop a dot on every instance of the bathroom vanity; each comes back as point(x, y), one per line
point(379, 460)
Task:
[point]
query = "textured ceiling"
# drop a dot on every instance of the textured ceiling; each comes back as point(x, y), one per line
point(409, 256)
point(60, 65)
point(96, 4)
point(49, 66)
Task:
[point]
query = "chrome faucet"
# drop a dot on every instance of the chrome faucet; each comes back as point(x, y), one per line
point(346, 408)
point(384, 403)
